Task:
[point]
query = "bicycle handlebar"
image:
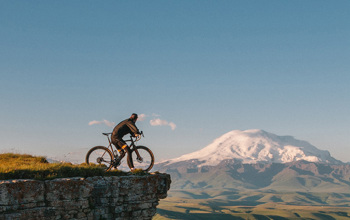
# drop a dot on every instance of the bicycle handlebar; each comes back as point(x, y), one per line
point(138, 137)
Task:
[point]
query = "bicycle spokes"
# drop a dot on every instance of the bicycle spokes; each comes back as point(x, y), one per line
point(142, 158)
point(99, 160)
point(101, 156)
point(139, 159)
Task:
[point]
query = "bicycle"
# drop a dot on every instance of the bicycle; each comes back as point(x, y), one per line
point(142, 156)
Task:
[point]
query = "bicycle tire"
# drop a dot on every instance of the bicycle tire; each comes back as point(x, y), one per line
point(100, 155)
point(148, 158)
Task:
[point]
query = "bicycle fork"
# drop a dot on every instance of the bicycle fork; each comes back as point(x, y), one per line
point(139, 158)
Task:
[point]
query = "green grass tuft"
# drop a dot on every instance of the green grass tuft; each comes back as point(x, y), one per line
point(139, 172)
point(23, 166)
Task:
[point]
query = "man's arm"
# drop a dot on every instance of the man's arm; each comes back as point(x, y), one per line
point(134, 130)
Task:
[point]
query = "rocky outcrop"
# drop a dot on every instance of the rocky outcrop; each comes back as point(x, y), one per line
point(124, 197)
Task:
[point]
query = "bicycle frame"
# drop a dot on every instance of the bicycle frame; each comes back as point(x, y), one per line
point(132, 145)
point(110, 146)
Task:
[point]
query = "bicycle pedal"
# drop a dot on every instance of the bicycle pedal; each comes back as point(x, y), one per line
point(116, 162)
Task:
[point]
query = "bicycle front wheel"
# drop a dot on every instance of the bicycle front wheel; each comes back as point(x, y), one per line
point(142, 157)
point(101, 156)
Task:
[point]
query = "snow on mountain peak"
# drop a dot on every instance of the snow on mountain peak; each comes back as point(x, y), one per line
point(252, 146)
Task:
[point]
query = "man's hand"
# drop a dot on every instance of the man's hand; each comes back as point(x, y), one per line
point(136, 135)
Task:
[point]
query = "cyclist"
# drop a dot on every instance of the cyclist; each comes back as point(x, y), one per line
point(125, 127)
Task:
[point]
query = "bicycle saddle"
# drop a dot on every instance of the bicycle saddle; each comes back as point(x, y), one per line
point(106, 134)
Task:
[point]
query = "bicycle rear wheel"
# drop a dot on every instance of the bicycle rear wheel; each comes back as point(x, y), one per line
point(101, 156)
point(142, 159)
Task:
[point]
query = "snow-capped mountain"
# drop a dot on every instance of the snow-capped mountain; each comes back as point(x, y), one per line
point(256, 146)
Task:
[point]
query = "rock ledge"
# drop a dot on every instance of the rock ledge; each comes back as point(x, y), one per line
point(115, 197)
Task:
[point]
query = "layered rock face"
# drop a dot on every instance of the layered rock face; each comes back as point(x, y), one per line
point(126, 197)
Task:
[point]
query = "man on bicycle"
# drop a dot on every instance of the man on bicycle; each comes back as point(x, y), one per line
point(125, 127)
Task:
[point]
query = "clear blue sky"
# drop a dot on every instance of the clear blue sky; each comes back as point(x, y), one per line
point(208, 67)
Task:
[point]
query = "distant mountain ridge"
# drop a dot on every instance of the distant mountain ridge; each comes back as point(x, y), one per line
point(295, 176)
point(259, 160)
point(256, 146)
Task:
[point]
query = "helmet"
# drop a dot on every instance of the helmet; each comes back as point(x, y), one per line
point(133, 116)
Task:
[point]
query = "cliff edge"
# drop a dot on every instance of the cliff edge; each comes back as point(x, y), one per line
point(115, 197)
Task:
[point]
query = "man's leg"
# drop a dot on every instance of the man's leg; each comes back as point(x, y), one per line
point(127, 149)
point(120, 143)
point(122, 146)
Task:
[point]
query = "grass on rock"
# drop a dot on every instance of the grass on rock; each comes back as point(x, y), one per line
point(24, 166)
